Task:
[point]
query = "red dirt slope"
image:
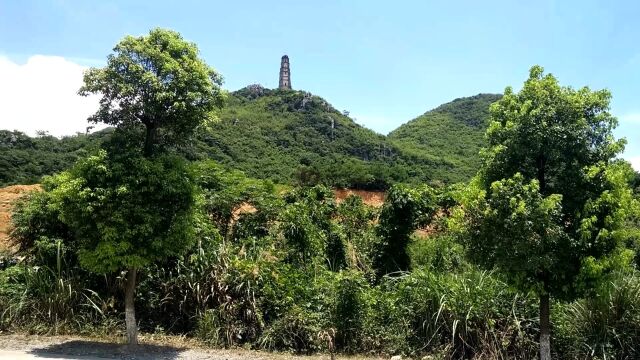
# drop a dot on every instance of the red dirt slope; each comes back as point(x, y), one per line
point(371, 198)
point(8, 197)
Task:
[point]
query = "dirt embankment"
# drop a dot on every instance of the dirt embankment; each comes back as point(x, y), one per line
point(8, 196)
point(371, 198)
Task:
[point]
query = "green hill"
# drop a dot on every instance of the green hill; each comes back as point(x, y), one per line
point(294, 136)
point(445, 141)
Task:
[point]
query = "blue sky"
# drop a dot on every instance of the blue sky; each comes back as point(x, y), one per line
point(384, 61)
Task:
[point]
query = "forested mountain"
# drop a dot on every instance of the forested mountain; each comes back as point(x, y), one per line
point(445, 141)
point(294, 137)
point(288, 136)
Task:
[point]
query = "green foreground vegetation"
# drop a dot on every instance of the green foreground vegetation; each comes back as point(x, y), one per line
point(536, 255)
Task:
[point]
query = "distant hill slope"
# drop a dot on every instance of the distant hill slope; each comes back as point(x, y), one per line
point(25, 159)
point(288, 136)
point(447, 139)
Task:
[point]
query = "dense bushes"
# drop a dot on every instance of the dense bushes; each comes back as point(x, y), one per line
point(297, 271)
point(404, 210)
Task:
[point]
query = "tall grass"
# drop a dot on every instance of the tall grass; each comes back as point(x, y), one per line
point(469, 315)
point(227, 300)
point(603, 326)
point(212, 295)
point(45, 300)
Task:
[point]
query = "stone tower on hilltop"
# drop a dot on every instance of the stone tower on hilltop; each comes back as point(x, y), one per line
point(285, 73)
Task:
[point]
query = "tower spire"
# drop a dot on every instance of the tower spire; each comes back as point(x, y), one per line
point(285, 73)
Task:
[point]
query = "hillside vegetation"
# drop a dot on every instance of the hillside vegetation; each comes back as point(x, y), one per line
point(446, 140)
point(25, 159)
point(294, 137)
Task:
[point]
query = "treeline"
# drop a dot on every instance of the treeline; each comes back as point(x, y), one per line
point(25, 159)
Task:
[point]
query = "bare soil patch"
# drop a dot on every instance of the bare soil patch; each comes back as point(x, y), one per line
point(371, 198)
point(8, 196)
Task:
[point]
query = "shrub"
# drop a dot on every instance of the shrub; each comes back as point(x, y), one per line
point(437, 253)
point(297, 330)
point(404, 210)
point(349, 310)
point(470, 315)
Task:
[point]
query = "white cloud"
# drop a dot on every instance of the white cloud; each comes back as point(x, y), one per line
point(634, 160)
point(41, 94)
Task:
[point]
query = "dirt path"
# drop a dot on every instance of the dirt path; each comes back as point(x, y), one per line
point(25, 355)
point(23, 347)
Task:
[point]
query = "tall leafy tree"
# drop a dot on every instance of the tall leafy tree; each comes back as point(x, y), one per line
point(131, 209)
point(552, 194)
point(126, 212)
point(156, 81)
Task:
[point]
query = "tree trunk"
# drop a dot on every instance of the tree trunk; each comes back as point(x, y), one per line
point(150, 140)
point(129, 308)
point(541, 163)
point(545, 328)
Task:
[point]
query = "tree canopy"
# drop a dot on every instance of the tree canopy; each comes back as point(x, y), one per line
point(552, 194)
point(126, 212)
point(157, 81)
point(131, 205)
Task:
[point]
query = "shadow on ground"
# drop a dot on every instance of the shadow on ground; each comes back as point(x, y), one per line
point(82, 350)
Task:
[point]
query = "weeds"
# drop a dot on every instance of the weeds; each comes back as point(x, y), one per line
point(605, 326)
point(299, 274)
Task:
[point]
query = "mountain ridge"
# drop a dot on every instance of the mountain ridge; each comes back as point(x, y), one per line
point(452, 132)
